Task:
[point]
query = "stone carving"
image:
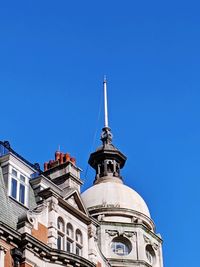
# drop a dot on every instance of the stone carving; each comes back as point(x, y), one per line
point(106, 205)
point(112, 233)
point(134, 219)
point(146, 239)
point(153, 244)
point(101, 217)
point(53, 204)
point(72, 202)
point(31, 218)
point(91, 231)
point(129, 234)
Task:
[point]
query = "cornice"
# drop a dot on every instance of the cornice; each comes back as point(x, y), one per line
point(49, 254)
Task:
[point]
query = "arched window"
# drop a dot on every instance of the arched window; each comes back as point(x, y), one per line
point(60, 240)
point(79, 242)
point(121, 246)
point(150, 254)
point(70, 238)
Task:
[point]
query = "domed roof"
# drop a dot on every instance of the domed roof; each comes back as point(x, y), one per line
point(116, 194)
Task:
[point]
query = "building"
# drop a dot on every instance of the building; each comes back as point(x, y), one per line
point(45, 221)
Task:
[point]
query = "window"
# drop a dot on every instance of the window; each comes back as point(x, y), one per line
point(60, 224)
point(22, 194)
point(60, 240)
point(70, 238)
point(121, 246)
point(18, 186)
point(14, 188)
point(79, 242)
point(150, 254)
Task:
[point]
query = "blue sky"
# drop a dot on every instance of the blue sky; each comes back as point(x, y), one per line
point(53, 55)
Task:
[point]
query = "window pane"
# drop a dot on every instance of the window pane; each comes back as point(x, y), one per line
point(22, 193)
point(14, 188)
point(14, 173)
point(120, 248)
point(60, 224)
point(70, 230)
point(60, 242)
point(22, 178)
point(78, 251)
point(69, 245)
point(78, 236)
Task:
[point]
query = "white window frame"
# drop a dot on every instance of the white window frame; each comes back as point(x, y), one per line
point(70, 237)
point(79, 243)
point(19, 181)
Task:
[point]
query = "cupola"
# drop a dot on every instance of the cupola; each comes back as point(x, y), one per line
point(107, 160)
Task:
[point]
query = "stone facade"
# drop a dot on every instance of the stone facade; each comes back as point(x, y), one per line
point(46, 222)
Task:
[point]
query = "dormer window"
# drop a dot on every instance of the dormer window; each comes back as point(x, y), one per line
point(18, 186)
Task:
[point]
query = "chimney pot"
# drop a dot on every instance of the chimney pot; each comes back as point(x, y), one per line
point(67, 157)
point(45, 166)
point(73, 160)
point(61, 158)
point(57, 155)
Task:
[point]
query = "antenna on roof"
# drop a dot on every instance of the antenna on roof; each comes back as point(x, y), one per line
point(105, 103)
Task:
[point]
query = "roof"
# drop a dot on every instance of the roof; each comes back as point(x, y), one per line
point(5, 148)
point(116, 195)
point(11, 210)
point(6, 210)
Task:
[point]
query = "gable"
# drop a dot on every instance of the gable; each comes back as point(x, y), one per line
point(73, 199)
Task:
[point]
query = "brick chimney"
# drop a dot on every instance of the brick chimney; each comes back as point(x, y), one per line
point(63, 171)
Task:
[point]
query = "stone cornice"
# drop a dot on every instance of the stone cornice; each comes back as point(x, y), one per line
point(139, 225)
point(117, 211)
point(52, 255)
point(9, 235)
point(128, 263)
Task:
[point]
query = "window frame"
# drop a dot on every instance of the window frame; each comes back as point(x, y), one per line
point(78, 242)
point(15, 174)
point(70, 237)
point(71, 242)
point(122, 243)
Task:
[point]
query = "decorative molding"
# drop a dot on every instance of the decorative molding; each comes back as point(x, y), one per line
point(150, 242)
point(112, 233)
point(92, 231)
point(53, 204)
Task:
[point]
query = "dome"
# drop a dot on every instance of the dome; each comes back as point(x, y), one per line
point(116, 194)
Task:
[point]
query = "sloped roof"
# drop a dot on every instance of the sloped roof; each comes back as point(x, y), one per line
point(6, 210)
point(10, 210)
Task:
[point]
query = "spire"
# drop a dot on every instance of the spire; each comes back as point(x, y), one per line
point(107, 160)
point(105, 103)
point(106, 136)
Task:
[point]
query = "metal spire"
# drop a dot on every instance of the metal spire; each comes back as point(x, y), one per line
point(106, 135)
point(105, 103)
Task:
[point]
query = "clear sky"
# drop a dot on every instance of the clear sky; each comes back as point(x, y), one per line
point(53, 55)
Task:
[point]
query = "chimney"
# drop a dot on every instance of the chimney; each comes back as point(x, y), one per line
point(60, 158)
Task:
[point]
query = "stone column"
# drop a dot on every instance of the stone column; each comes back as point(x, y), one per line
point(92, 254)
point(52, 222)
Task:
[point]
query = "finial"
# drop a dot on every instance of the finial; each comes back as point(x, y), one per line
point(105, 103)
point(106, 135)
